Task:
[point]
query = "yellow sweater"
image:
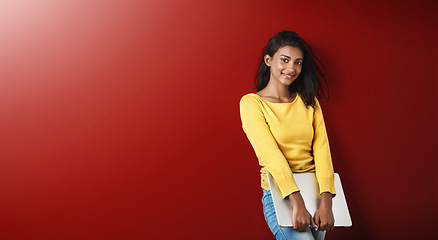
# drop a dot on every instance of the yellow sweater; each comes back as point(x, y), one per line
point(288, 137)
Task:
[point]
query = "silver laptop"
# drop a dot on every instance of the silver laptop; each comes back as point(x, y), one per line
point(309, 190)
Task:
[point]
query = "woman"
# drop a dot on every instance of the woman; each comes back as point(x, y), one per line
point(284, 123)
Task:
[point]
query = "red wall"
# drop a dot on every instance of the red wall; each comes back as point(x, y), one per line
point(120, 120)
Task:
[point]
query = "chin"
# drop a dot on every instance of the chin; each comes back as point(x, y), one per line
point(288, 82)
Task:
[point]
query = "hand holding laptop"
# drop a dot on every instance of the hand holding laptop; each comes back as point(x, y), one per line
point(323, 217)
point(309, 193)
point(301, 218)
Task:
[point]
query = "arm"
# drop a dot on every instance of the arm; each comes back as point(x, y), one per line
point(265, 146)
point(324, 172)
point(321, 153)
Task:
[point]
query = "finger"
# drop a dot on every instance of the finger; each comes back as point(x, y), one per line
point(297, 225)
point(332, 226)
point(294, 222)
point(300, 226)
point(312, 221)
point(303, 226)
point(306, 225)
point(315, 219)
point(318, 222)
point(324, 226)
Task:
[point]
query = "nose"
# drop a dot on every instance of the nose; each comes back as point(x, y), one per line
point(291, 68)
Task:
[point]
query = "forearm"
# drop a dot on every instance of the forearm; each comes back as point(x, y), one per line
point(297, 200)
point(326, 200)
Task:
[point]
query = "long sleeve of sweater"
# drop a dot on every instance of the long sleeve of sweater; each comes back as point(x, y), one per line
point(321, 153)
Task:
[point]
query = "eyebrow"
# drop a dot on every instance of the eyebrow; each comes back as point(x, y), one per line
point(290, 57)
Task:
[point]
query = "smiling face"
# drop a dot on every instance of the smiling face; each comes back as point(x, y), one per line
point(285, 65)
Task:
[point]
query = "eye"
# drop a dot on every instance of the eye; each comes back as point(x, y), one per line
point(299, 63)
point(285, 60)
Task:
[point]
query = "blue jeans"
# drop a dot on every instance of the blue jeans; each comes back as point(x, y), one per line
point(286, 233)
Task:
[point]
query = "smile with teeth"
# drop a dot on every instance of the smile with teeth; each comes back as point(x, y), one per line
point(288, 75)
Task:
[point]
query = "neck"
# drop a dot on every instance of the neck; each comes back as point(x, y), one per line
point(279, 91)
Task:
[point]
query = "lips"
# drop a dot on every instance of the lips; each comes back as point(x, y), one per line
point(288, 75)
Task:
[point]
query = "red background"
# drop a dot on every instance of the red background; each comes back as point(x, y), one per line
point(120, 119)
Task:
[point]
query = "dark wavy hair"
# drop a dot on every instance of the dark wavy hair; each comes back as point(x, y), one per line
point(309, 82)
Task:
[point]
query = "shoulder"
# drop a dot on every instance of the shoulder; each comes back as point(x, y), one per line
point(317, 111)
point(250, 98)
point(250, 102)
point(312, 105)
point(317, 105)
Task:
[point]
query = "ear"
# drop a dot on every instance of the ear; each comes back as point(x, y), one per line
point(268, 60)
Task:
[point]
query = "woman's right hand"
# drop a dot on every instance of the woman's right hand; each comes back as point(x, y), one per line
point(301, 218)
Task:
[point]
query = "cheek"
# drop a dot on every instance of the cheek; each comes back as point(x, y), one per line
point(282, 66)
point(276, 68)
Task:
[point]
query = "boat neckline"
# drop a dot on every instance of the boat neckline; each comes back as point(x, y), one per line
point(283, 103)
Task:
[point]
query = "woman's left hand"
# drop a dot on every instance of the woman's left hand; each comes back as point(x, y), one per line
point(324, 215)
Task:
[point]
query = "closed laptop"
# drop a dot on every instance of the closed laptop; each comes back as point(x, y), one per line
point(309, 190)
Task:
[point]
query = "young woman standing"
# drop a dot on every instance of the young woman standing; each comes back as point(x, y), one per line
point(284, 123)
